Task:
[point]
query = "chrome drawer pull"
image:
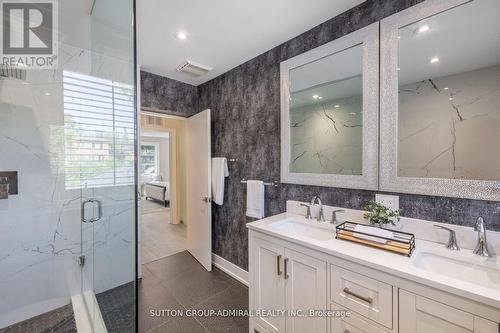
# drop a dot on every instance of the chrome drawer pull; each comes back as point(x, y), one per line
point(368, 300)
point(278, 264)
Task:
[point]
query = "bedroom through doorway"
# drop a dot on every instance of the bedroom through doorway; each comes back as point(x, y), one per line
point(162, 186)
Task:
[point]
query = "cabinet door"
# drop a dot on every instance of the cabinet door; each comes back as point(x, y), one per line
point(305, 289)
point(268, 287)
point(418, 314)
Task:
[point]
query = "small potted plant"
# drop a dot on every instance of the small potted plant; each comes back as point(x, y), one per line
point(380, 215)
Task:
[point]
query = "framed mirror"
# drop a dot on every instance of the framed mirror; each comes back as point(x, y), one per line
point(329, 113)
point(440, 99)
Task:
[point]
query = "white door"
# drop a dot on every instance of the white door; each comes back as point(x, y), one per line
point(267, 289)
point(305, 289)
point(198, 191)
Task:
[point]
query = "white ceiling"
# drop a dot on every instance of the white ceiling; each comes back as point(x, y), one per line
point(224, 33)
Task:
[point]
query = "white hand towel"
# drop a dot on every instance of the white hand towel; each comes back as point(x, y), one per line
point(255, 198)
point(374, 231)
point(219, 172)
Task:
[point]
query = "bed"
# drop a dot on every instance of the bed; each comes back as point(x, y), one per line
point(157, 190)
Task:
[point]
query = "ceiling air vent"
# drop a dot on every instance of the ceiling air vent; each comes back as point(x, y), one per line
point(194, 68)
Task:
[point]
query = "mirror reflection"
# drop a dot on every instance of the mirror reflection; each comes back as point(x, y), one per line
point(326, 114)
point(449, 94)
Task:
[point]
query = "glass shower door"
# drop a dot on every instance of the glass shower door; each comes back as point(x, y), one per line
point(100, 141)
point(102, 117)
point(67, 134)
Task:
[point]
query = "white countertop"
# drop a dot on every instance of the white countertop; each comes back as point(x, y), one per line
point(387, 262)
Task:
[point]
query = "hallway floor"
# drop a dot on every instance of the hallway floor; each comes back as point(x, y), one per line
point(179, 282)
point(159, 237)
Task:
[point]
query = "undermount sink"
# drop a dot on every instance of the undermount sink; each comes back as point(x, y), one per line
point(304, 229)
point(473, 270)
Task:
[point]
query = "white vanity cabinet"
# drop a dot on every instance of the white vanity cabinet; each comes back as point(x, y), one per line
point(288, 276)
point(418, 314)
point(288, 280)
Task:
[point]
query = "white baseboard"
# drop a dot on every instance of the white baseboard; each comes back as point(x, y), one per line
point(231, 269)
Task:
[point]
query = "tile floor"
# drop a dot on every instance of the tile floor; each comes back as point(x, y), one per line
point(159, 237)
point(117, 308)
point(56, 321)
point(179, 282)
point(176, 282)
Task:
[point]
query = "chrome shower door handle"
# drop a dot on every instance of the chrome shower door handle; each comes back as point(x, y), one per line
point(82, 212)
point(99, 211)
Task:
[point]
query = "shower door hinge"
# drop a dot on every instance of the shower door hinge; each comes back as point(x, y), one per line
point(81, 260)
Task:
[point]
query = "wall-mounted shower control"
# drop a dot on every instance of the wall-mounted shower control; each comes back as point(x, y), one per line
point(4, 188)
point(8, 184)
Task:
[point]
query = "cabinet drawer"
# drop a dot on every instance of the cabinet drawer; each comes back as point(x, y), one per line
point(366, 296)
point(258, 329)
point(352, 324)
point(419, 314)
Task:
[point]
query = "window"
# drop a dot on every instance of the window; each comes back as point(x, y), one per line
point(99, 132)
point(149, 158)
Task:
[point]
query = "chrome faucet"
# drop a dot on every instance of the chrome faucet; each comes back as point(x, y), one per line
point(317, 199)
point(481, 247)
point(334, 215)
point(452, 240)
point(308, 212)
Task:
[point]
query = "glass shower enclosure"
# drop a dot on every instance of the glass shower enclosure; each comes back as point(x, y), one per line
point(67, 152)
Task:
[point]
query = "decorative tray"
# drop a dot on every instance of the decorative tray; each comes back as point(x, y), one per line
point(399, 242)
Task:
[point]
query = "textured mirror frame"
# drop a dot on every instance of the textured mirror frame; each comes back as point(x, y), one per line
point(368, 37)
point(389, 179)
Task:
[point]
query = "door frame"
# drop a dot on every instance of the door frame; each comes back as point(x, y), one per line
point(174, 204)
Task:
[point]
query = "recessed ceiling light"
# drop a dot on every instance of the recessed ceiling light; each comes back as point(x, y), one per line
point(451, 98)
point(336, 106)
point(315, 96)
point(320, 97)
point(446, 88)
point(423, 28)
point(434, 60)
point(47, 94)
point(181, 35)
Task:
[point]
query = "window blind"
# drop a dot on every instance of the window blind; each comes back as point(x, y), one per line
point(99, 132)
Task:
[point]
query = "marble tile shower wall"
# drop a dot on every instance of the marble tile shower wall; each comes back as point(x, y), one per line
point(40, 228)
point(245, 104)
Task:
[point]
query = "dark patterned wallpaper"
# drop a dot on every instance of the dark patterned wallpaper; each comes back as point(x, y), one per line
point(245, 104)
point(164, 94)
